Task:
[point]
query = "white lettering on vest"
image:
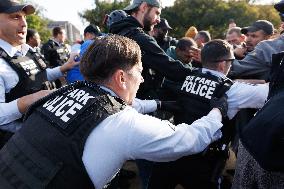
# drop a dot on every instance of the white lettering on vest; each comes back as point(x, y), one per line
point(68, 103)
point(199, 86)
point(71, 111)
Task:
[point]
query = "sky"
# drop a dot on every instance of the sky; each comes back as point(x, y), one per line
point(66, 10)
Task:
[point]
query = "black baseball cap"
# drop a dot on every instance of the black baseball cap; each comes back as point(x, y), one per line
point(264, 25)
point(163, 24)
point(93, 29)
point(12, 6)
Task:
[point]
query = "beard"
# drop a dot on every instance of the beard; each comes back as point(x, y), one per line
point(147, 22)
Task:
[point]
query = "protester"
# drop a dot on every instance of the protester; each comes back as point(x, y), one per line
point(259, 31)
point(201, 38)
point(160, 33)
point(181, 51)
point(191, 32)
point(90, 32)
point(80, 135)
point(144, 14)
point(235, 37)
point(257, 64)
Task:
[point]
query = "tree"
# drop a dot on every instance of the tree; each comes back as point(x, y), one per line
point(213, 15)
point(96, 16)
point(36, 22)
point(39, 23)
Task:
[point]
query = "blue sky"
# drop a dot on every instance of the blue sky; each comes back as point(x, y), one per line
point(66, 10)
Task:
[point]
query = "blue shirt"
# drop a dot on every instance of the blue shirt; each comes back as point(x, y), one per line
point(74, 74)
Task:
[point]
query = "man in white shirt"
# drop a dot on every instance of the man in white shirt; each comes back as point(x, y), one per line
point(21, 77)
point(80, 135)
point(204, 170)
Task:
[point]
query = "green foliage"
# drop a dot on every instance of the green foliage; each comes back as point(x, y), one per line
point(214, 15)
point(39, 24)
point(211, 15)
point(96, 16)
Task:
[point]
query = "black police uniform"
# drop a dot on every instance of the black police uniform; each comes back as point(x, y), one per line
point(47, 151)
point(31, 70)
point(55, 54)
point(200, 171)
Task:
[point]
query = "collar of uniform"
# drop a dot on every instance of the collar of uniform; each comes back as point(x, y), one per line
point(32, 49)
point(57, 42)
point(10, 50)
point(213, 72)
point(108, 90)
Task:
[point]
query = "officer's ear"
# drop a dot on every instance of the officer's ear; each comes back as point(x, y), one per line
point(221, 67)
point(119, 79)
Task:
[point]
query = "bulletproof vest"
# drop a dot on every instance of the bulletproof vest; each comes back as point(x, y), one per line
point(31, 72)
point(47, 151)
point(152, 80)
point(263, 136)
point(195, 94)
point(60, 52)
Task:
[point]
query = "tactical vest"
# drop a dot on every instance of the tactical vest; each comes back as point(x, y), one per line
point(47, 151)
point(61, 53)
point(31, 72)
point(263, 136)
point(195, 94)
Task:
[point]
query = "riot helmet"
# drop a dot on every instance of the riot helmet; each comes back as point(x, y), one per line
point(115, 16)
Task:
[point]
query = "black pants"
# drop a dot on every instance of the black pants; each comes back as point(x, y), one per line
point(192, 172)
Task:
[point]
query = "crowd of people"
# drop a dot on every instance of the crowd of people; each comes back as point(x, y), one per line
point(71, 116)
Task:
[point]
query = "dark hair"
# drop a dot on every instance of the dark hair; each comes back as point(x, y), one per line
point(205, 35)
point(108, 54)
point(185, 42)
point(214, 51)
point(56, 31)
point(30, 34)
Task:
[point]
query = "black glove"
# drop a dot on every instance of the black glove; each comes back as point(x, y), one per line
point(221, 104)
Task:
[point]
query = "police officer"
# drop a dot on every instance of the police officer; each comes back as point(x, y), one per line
point(54, 50)
point(144, 14)
point(80, 135)
point(203, 171)
point(23, 74)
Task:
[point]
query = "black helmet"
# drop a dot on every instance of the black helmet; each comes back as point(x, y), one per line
point(115, 16)
point(279, 6)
